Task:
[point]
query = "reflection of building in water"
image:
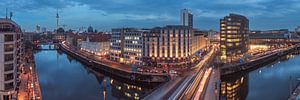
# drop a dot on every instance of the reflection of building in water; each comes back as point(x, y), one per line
point(234, 88)
point(120, 89)
point(127, 91)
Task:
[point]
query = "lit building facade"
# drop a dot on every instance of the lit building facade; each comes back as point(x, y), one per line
point(186, 18)
point(234, 87)
point(97, 44)
point(10, 57)
point(234, 31)
point(170, 45)
point(199, 41)
point(126, 45)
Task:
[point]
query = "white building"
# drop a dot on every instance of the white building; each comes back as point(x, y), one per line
point(97, 44)
point(10, 57)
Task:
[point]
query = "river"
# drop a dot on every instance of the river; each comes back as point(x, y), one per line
point(62, 77)
point(270, 82)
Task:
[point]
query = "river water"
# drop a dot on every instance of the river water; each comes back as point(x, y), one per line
point(270, 82)
point(62, 77)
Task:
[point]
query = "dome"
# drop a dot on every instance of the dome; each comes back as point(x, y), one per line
point(90, 29)
point(60, 30)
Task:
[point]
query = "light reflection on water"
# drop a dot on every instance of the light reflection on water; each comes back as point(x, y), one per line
point(270, 82)
point(62, 77)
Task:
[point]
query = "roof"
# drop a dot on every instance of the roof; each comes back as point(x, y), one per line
point(8, 25)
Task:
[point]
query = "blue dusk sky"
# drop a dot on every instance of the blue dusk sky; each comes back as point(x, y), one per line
point(106, 14)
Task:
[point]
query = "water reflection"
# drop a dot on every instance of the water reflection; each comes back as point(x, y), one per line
point(270, 82)
point(62, 77)
point(234, 87)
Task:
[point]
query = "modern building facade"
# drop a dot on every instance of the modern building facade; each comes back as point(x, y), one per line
point(126, 46)
point(234, 31)
point(169, 45)
point(186, 18)
point(10, 57)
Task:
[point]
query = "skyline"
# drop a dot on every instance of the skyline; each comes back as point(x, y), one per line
point(146, 14)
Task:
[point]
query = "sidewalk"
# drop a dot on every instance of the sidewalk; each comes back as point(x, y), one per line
point(211, 93)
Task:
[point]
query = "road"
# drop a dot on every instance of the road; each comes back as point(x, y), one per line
point(187, 89)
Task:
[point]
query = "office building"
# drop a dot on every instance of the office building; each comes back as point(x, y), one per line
point(10, 57)
point(234, 31)
point(168, 46)
point(186, 18)
point(126, 46)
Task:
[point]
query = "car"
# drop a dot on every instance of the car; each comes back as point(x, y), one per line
point(173, 72)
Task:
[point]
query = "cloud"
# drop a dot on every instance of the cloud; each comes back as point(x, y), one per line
point(114, 12)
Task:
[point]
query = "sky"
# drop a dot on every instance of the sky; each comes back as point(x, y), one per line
point(106, 14)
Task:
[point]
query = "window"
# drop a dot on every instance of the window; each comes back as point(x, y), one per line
point(8, 38)
point(9, 86)
point(8, 67)
point(8, 77)
point(8, 47)
point(8, 57)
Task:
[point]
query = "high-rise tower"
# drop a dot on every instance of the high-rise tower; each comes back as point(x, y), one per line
point(186, 18)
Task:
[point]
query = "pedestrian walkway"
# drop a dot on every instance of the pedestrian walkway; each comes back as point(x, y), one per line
point(211, 93)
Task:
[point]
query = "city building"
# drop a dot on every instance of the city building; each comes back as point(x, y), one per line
point(90, 29)
point(59, 36)
point(10, 57)
point(199, 42)
point(38, 29)
point(297, 30)
point(97, 44)
point(168, 46)
point(234, 31)
point(186, 18)
point(126, 46)
point(269, 38)
point(279, 31)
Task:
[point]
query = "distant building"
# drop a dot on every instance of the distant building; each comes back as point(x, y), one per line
point(44, 30)
point(38, 29)
point(10, 57)
point(269, 38)
point(234, 31)
point(90, 29)
point(280, 31)
point(126, 46)
point(297, 30)
point(96, 43)
point(199, 42)
point(186, 18)
point(168, 46)
point(28, 36)
point(60, 35)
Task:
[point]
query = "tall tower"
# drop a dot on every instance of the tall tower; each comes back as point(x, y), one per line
point(186, 18)
point(57, 20)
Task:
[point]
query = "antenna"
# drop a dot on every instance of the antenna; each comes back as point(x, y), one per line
point(10, 15)
point(6, 14)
